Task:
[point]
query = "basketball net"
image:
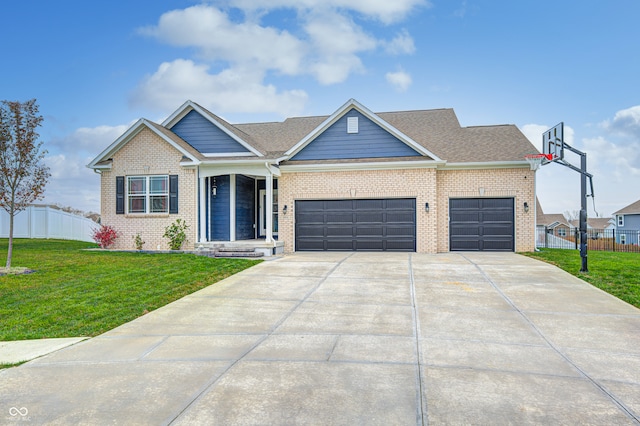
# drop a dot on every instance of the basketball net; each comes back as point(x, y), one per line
point(536, 160)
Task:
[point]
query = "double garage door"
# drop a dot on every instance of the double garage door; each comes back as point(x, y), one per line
point(351, 225)
point(481, 224)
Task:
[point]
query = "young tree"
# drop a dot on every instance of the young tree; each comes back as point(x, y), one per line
point(23, 175)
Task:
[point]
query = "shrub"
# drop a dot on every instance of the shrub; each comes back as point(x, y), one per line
point(176, 234)
point(137, 240)
point(105, 236)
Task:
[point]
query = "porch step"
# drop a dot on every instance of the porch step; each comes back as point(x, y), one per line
point(234, 253)
point(236, 249)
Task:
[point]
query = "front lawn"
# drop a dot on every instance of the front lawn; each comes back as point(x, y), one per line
point(75, 292)
point(614, 272)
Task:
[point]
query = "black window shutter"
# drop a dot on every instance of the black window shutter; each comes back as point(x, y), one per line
point(173, 194)
point(119, 194)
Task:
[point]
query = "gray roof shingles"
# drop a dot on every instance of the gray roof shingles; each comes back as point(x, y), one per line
point(633, 208)
point(437, 130)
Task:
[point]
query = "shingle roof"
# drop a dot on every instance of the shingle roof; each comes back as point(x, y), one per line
point(550, 219)
point(436, 130)
point(633, 208)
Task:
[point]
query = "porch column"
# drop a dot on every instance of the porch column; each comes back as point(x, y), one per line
point(232, 208)
point(202, 198)
point(269, 208)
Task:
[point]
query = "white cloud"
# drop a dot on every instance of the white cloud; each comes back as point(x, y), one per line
point(400, 80)
point(335, 41)
point(246, 43)
point(90, 139)
point(383, 10)
point(625, 122)
point(619, 160)
point(324, 41)
point(401, 44)
point(71, 183)
point(232, 90)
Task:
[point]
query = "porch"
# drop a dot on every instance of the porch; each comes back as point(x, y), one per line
point(238, 209)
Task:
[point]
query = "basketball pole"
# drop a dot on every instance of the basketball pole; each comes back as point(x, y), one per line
point(583, 212)
point(583, 200)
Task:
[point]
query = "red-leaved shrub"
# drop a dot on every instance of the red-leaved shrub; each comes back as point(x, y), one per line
point(104, 236)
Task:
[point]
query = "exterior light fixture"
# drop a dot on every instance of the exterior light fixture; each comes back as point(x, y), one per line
point(284, 209)
point(526, 207)
point(426, 207)
point(214, 188)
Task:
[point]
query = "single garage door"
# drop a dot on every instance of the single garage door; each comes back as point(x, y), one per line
point(481, 224)
point(350, 225)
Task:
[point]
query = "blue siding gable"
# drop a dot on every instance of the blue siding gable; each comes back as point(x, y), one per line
point(205, 136)
point(371, 141)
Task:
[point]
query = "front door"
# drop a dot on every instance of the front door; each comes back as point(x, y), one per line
point(262, 228)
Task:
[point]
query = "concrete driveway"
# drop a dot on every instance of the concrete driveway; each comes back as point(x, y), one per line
point(354, 338)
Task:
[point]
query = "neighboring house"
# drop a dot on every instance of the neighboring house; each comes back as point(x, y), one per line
point(352, 180)
point(627, 223)
point(554, 223)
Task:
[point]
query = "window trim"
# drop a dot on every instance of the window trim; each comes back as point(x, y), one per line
point(620, 220)
point(148, 194)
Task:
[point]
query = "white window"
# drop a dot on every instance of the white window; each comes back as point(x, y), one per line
point(562, 232)
point(620, 220)
point(148, 194)
point(623, 238)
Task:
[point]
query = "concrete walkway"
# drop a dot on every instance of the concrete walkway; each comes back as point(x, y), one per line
point(354, 338)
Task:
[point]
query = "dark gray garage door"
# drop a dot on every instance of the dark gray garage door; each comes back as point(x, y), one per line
point(347, 225)
point(484, 224)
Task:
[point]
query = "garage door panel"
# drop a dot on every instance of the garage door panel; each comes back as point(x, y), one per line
point(368, 204)
point(369, 245)
point(368, 231)
point(400, 217)
point(338, 205)
point(339, 218)
point(498, 230)
point(311, 218)
point(338, 245)
point(400, 246)
point(311, 231)
point(369, 217)
point(470, 217)
point(339, 231)
point(400, 231)
point(481, 224)
point(362, 224)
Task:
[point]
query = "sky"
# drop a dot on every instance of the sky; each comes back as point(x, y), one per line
point(95, 67)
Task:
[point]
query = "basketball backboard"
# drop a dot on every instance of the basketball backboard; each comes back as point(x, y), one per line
point(553, 142)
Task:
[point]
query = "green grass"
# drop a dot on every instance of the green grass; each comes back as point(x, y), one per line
point(614, 272)
point(75, 292)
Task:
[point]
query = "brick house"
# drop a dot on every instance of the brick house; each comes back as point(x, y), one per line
point(353, 180)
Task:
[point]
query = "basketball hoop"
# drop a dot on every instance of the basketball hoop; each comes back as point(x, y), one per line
point(536, 160)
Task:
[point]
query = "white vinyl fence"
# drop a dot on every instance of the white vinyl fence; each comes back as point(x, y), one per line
point(47, 222)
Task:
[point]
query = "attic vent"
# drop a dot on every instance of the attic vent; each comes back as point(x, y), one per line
point(352, 124)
